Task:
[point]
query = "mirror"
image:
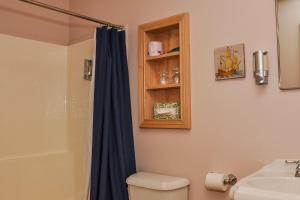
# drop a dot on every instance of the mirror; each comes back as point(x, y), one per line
point(288, 33)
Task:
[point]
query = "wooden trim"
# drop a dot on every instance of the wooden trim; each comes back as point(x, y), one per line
point(185, 67)
point(141, 75)
point(163, 22)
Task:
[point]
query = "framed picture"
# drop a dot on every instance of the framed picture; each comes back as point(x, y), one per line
point(230, 62)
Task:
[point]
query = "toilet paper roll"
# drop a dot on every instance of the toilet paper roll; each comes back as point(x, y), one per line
point(155, 48)
point(215, 181)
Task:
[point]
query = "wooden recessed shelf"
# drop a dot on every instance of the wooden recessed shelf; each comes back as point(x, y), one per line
point(172, 32)
point(164, 87)
point(163, 56)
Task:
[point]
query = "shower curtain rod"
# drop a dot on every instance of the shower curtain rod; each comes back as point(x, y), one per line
point(67, 12)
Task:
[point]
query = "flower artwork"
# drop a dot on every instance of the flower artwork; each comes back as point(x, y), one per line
point(230, 62)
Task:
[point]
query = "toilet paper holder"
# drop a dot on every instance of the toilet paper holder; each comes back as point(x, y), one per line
point(231, 180)
point(219, 181)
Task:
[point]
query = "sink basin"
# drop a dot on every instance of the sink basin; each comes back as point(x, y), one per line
point(273, 182)
point(276, 184)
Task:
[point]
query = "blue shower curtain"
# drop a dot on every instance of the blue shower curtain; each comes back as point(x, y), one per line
point(113, 148)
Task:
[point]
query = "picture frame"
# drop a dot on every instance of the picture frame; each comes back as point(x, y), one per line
point(230, 62)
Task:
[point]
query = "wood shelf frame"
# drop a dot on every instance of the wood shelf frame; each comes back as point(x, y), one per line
point(173, 32)
point(163, 56)
point(164, 87)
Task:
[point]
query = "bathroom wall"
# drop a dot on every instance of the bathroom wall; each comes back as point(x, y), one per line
point(35, 160)
point(27, 21)
point(237, 126)
point(79, 113)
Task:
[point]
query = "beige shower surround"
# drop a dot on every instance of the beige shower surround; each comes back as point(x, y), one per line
point(44, 120)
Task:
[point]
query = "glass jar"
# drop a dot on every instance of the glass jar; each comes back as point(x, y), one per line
point(164, 78)
point(176, 75)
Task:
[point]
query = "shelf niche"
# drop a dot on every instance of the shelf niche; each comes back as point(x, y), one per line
point(173, 32)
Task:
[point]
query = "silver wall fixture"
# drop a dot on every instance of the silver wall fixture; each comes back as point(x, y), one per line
point(88, 69)
point(261, 67)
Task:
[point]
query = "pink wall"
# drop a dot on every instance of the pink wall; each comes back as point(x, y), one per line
point(237, 126)
point(23, 20)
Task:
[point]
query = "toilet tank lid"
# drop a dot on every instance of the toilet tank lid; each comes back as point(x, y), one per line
point(157, 181)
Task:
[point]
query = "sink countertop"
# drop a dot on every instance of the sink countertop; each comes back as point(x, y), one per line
point(275, 181)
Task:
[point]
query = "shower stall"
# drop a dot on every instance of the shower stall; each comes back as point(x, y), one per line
point(45, 120)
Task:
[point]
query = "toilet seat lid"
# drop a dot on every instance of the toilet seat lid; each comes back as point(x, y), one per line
point(157, 181)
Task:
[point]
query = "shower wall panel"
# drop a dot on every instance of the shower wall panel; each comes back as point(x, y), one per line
point(35, 158)
point(79, 113)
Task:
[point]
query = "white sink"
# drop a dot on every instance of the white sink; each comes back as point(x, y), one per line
point(273, 182)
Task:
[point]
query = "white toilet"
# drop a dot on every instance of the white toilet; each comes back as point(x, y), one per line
point(148, 186)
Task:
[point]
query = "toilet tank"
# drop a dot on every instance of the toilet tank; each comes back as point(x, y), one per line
point(148, 186)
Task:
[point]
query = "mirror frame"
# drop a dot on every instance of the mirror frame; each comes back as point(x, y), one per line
point(278, 51)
